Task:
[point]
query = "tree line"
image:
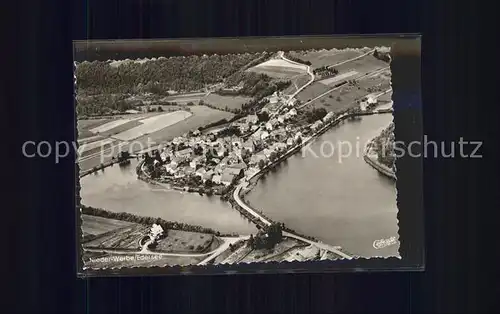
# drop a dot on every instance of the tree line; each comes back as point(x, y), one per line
point(267, 238)
point(296, 59)
point(88, 210)
point(325, 71)
point(158, 76)
point(256, 85)
point(382, 55)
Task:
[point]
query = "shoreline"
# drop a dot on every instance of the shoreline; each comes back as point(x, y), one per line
point(249, 183)
point(103, 166)
point(375, 164)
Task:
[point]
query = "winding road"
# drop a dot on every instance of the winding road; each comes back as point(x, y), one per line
point(145, 251)
point(290, 97)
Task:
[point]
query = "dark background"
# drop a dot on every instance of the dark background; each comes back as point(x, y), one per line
point(41, 264)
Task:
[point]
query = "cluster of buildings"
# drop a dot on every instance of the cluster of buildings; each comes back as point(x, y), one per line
point(222, 159)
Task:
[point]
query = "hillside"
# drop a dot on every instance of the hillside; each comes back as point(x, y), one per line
point(157, 76)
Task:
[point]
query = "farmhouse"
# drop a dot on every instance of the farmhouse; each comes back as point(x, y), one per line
point(274, 98)
point(156, 231)
point(184, 153)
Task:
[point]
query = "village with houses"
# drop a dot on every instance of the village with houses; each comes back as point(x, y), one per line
point(227, 160)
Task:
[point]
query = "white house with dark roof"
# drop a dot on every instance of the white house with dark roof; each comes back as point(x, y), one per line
point(184, 153)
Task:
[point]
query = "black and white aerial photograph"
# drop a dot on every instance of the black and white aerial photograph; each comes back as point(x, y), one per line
point(198, 159)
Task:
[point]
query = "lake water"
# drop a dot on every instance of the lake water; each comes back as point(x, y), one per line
point(117, 189)
point(344, 203)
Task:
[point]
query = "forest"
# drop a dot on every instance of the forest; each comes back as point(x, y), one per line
point(157, 76)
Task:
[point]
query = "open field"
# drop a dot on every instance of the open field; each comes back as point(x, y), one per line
point(89, 139)
point(89, 129)
point(84, 126)
point(346, 96)
point(221, 102)
point(363, 65)
point(152, 124)
point(95, 144)
point(201, 116)
point(110, 125)
point(297, 82)
point(91, 123)
point(98, 225)
point(318, 88)
point(185, 98)
point(311, 91)
point(126, 238)
point(339, 78)
point(135, 260)
point(278, 68)
point(385, 98)
point(324, 57)
point(178, 241)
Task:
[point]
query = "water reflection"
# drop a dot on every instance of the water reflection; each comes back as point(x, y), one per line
point(343, 203)
point(118, 189)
